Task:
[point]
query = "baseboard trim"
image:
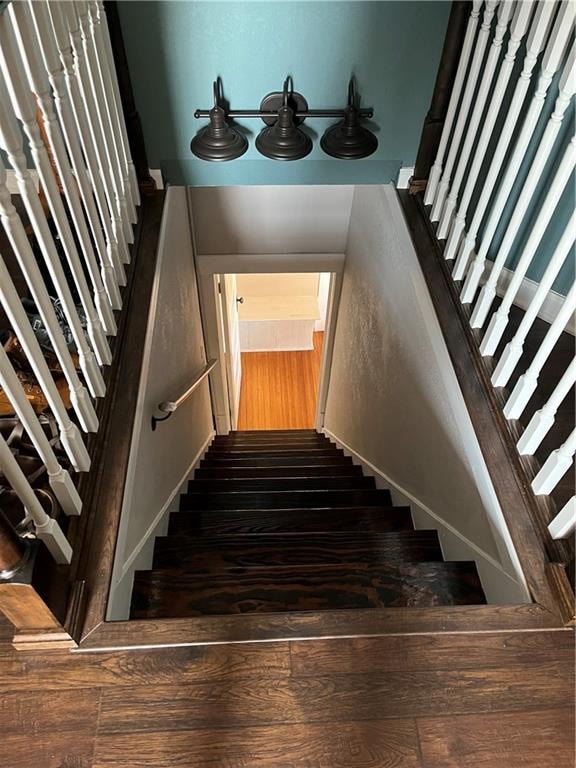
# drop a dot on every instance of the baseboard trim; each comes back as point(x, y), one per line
point(523, 299)
point(499, 586)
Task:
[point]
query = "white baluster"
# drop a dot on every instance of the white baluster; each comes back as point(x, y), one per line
point(69, 40)
point(542, 421)
point(513, 350)
point(564, 524)
point(436, 170)
point(99, 101)
point(27, 261)
point(47, 529)
point(106, 76)
point(23, 105)
point(60, 481)
point(463, 115)
point(26, 38)
point(118, 102)
point(518, 29)
point(544, 149)
point(504, 15)
point(555, 467)
point(69, 434)
point(499, 319)
point(46, 41)
point(536, 38)
point(527, 383)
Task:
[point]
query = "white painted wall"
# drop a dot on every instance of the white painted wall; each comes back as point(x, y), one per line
point(161, 461)
point(296, 284)
point(275, 219)
point(394, 399)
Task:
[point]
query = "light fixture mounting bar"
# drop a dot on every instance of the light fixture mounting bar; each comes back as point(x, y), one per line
point(302, 115)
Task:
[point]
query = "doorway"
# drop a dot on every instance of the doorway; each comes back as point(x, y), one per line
point(274, 339)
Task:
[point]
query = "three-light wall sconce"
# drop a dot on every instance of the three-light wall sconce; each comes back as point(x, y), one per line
point(282, 139)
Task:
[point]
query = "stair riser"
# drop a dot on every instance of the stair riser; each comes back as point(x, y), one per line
point(214, 522)
point(213, 553)
point(285, 499)
point(302, 460)
point(239, 473)
point(282, 439)
point(203, 485)
point(278, 449)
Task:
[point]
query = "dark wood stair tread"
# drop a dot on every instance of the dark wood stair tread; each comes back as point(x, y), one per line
point(277, 449)
point(385, 518)
point(250, 550)
point(284, 460)
point(362, 497)
point(241, 485)
point(346, 470)
point(174, 593)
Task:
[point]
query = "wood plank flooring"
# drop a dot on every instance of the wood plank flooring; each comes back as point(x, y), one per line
point(279, 389)
point(487, 700)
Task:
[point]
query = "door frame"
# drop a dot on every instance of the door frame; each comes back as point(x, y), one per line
point(211, 267)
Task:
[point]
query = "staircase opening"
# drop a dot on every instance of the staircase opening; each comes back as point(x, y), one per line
point(273, 333)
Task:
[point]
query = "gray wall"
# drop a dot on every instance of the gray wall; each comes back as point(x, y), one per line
point(393, 395)
point(160, 460)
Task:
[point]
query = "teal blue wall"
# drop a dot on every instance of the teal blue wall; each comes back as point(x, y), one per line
point(176, 49)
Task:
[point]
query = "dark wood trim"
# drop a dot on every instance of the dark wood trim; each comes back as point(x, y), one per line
point(254, 627)
point(549, 586)
point(94, 538)
point(133, 122)
point(434, 120)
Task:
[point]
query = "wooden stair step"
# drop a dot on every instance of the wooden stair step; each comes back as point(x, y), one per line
point(361, 497)
point(260, 550)
point(244, 484)
point(347, 470)
point(239, 439)
point(299, 460)
point(281, 432)
point(175, 593)
point(213, 522)
point(274, 449)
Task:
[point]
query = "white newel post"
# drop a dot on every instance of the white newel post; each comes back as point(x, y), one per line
point(69, 36)
point(60, 481)
point(23, 105)
point(10, 140)
point(463, 115)
point(535, 43)
point(542, 421)
point(40, 86)
point(436, 170)
point(518, 29)
point(555, 467)
point(47, 529)
point(550, 64)
point(101, 108)
point(543, 152)
point(107, 76)
point(527, 383)
point(504, 14)
point(499, 319)
point(118, 102)
point(45, 38)
point(513, 350)
point(564, 524)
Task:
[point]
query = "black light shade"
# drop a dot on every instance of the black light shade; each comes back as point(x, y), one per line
point(218, 142)
point(284, 140)
point(348, 140)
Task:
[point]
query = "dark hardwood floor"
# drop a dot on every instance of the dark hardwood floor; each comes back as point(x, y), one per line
point(486, 700)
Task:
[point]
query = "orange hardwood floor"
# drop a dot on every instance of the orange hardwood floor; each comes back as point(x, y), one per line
point(279, 389)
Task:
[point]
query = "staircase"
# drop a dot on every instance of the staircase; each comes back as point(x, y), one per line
point(283, 521)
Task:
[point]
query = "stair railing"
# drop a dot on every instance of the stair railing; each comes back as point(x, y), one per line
point(168, 407)
point(493, 211)
point(69, 238)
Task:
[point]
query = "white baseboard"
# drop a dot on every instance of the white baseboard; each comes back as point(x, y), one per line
point(549, 308)
point(141, 557)
point(404, 176)
point(500, 588)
